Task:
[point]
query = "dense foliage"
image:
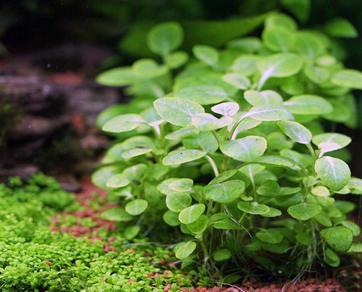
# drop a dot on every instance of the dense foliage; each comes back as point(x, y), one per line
point(230, 146)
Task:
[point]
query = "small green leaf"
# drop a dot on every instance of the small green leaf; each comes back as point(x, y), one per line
point(299, 8)
point(185, 250)
point(356, 230)
point(222, 255)
point(199, 225)
point(271, 235)
point(333, 172)
point(206, 54)
point(253, 208)
point(171, 218)
point(355, 186)
point(226, 109)
point(117, 181)
point(320, 191)
point(295, 131)
point(116, 214)
point(245, 65)
point(246, 44)
point(117, 77)
point(278, 39)
point(282, 21)
point(184, 133)
point(207, 122)
point(332, 258)
point(182, 156)
point(340, 28)
point(266, 97)
point(178, 201)
point(135, 172)
point(348, 78)
point(304, 211)
point(136, 207)
point(269, 189)
point(176, 59)
point(127, 154)
point(304, 238)
point(225, 192)
point(316, 74)
point(308, 105)
point(268, 113)
point(203, 94)
point(177, 111)
point(276, 161)
point(327, 142)
point(123, 123)
point(237, 80)
point(309, 44)
point(245, 149)
point(164, 38)
point(132, 231)
point(148, 68)
point(190, 214)
point(340, 238)
point(272, 213)
point(182, 185)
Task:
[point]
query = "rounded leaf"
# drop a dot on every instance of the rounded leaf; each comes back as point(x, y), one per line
point(206, 54)
point(136, 207)
point(171, 218)
point(190, 214)
point(296, 131)
point(226, 109)
point(178, 201)
point(203, 94)
point(304, 211)
point(185, 250)
point(237, 80)
point(222, 255)
point(271, 235)
point(340, 238)
point(116, 214)
point(225, 192)
point(183, 156)
point(308, 105)
point(123, 123)
point(207, 122)
point(258, 98)
point(253, 208)
point(117, 181)
point(269, 113)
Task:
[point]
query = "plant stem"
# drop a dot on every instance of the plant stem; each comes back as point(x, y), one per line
point(213, 165)
point(217, 137)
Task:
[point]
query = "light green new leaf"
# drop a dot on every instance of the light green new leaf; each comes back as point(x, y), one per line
point(123, 123)
point(182, 156)
point(207, 122)
point(276, 161)
point(320, 191)
point(226, 109)
point(308, 105)
point(136, 207)
point(269, 113)
point(222, 255)
point(348, 78)
point(356, 230)
point(203, 94)
point(190, 214)
point(148, 68)
point(199, 225)
point(253, 208)
point(127, 154)
point(245, 149)
point(206, 54)
point(269, 189)
point(164, 38)
point(304, 211)
point(237, 80)
point(278, 39)
point(316, 74)
point(184, 133)
point(171, 218)
point(176, 59)
point(225, 192)
point(117, 77)
point(296, 131)
point(182, 185)
point(178, 201)
point(246, 44)
point(177, 111)
point(333, 172)
point(340, 238)
point(340, 28)
point(185, 250)
point(117, 181)
point(135, 172)
point(355, 185)
point(279, 65)
point(328, 142)
point(271, 235)
point(272, 213)
point(266, 97)
point(281, 20)
point(309, 44)
point(116, 214)
point(245, 65)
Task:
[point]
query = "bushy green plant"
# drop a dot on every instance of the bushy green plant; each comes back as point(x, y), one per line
point(230, 146)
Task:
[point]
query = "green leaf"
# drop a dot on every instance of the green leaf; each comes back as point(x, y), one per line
point(176, 59)
point(295, 131)
point(127, 154)
point(269, 113)
point(226, 109)
point(348, 78)
point(266, 97)
point(341, 112)
point(308, 105)
point(163, 38)
point(116, 214)
point(271, 235)
point(304, 238)
point(183, 185)
point(203, 94)
point(340, 238)
point(206, 54)
point(281, 20)
point(132, 231)
point(333, 172)
point(117, 181)
point(171, 218)
point(222, 255)
point(182, 156)
point(299, 8)
point(123, 123)
point(190, 214)
point(102, 175)
point(246, 44)
point(278, 39)
point(185, 250)
point(245, 149)
point(237, 80)
point(148, 69)
point(272, 213)
point(253, 208)
point(187, 132)
point(225, 192)
point(320, 191)
point(316, 74)
point(207, 122)
point(245, 65)
point(279, 65)
point(304, 211)
point(199, 225)
point(269, 189)
point(340, 28)
point(117, 77)
point(332, 258)
point(355, 185)
point(177, 111)
point(309, 44)
point(178, 201)
point(276, 161)
point(204, 140)
point(356, 230)
point(328, 142)
point(135, 172)
point(136, 207)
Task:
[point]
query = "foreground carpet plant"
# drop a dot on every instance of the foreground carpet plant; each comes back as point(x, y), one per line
point(233, 148)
